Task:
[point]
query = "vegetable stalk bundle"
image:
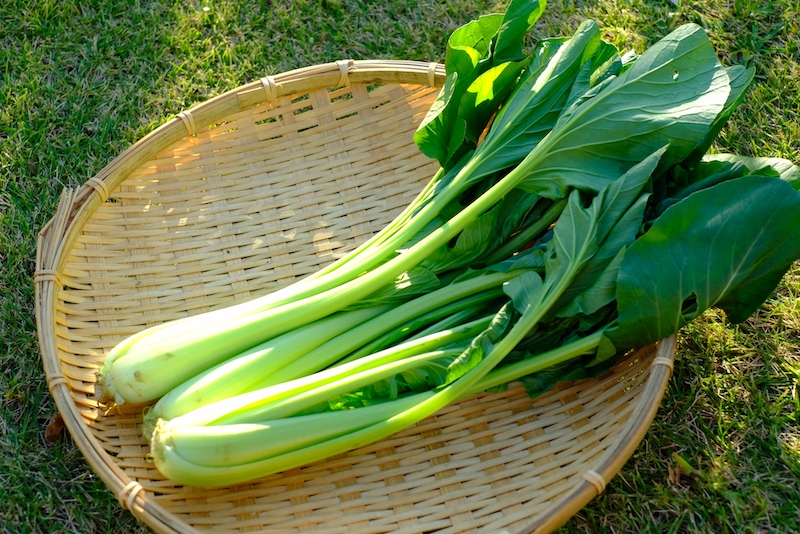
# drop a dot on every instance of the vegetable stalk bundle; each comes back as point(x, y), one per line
point(576, 215)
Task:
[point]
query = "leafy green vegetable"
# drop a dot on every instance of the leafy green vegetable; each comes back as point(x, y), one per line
point(480, 287)
point(725, 246)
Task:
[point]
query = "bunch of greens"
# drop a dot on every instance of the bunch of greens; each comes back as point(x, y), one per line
point(473, 285)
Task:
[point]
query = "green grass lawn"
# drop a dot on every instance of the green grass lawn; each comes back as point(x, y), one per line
point(81, 81)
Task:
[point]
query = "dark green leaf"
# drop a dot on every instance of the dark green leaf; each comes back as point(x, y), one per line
point(606, 63)
point(433, 134)
point(724, 246)
point(573, 242)
point(483, 343)
point(787, 170)
point(525, 291)
point(618, 197)
point(545, 337)
point(605, 353)
point(703, 175)
point(473, 241)
point(601, 292)
point(542, 381)
point(617, 213)
point(484, 96)
point(601, 318)
point(532, 258)
point(456, 148)
point(581, 86)
point(513, 211)
point(580, 368)
point(476, 83)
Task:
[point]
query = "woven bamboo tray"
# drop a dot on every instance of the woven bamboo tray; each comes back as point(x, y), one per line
point(251, 191)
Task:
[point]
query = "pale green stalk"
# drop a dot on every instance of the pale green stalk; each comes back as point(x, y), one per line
point(251, 369)
point(173, 465)
point(353, 381)
point(227, 445)
point(247, 405)
point(449, 322)
point(243, 443)
point(472, 304)
point(478, 289)
point(390, 229)
point(509, 373)
point(170, 463)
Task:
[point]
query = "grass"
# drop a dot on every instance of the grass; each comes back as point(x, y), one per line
point(81, 81)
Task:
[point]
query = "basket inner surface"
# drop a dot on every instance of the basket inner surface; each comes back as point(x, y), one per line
point(252, 204)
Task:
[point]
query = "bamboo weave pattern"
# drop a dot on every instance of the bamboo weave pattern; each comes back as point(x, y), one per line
point(252, 191)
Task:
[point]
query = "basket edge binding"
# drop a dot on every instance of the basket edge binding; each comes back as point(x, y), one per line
point(50, 243)
point(76, 207)
point(620, 451)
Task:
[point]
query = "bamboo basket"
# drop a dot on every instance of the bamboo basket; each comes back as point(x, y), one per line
point(253, 190)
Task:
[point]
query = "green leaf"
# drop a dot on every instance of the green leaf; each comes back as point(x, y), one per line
point(441, 134)
point(542, 381)
point(470, 43)
point(618, 213)
point(601, 292)
point(787, 170)
point(470, 244)
point(581, 86)
point(724, 246)
point(715, 169)
point(525, 291)
point(622, 235)
point(520, 16)
point(483, 343)
point(516, 213)
point(703, 175)
point(484, 96)
point(544, 337)
point(672, 94)
point(740, 79)
point(606, 63)
point(618, 197)
point(606, 350)
point(532, 110)
point(513, 211)
point(432, 374)
point(579, 368)
point(601, 318)
point(433, 134)
point(456, 148)
point(532, 258)
point(573, 242)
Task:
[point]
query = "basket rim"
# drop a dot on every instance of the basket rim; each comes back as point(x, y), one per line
point(76, 206)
